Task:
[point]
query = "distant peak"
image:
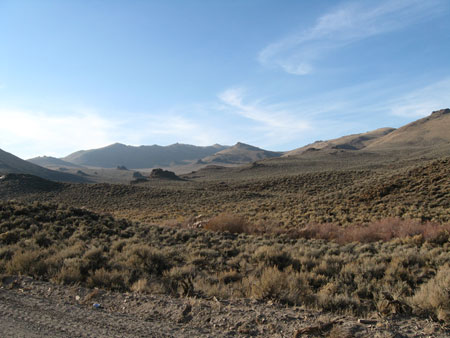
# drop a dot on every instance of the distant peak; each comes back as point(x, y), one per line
point(117, 144)
point(244, 145)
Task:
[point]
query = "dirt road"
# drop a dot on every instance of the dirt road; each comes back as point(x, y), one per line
point(31, 308)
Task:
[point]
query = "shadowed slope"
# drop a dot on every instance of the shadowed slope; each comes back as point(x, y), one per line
point(13, 164)
point(141, 157)
point(52, 162)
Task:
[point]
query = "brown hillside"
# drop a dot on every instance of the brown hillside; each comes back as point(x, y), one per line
point(349, 142)
point(433, 130)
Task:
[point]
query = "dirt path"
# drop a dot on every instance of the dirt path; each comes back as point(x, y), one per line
point(31, 308)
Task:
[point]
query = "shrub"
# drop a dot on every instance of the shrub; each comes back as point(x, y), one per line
point(284, 286)
point(70, 273)
point(272, 256)
point(178, 281)
point(27, 263)
point(146, 259)
point(93, 259)
point(140, 286)
point(10, 237)
point(43, 240)
point(227, 222)
point(433, 297)
point(271, 284)
point(103, 278)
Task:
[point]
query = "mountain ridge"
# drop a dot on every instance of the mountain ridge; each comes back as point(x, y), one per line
point(428, 133)
point(138, 157)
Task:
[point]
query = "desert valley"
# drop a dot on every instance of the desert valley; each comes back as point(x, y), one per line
point(348, 237)
point(225, 168)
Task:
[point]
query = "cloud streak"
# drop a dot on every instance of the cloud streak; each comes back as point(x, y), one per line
point(172, 127)
point(272, 122)
point(235, 115)
point(28, 133)
point(347, 24)
point(40, 132)
point(421, 102)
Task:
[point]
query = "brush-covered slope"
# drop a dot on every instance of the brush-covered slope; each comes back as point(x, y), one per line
point(13, 164)
point(52, 162)
point(349, 142)
point(241, 153)
point(141, 157)
point(431, 131)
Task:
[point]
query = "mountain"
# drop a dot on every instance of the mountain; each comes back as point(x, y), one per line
point(141, 157)
point(431, 131)
point(240, 153)
point(13, 164)
point(349, 142)
point(52, 162)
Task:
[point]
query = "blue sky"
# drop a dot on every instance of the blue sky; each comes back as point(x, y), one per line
point(84, 74)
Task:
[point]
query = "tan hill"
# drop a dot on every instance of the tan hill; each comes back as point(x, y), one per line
point(52, 162)
point(141, 157)
point(349, 142)
point(240, 153)
point(431, 131)
point(13, 164)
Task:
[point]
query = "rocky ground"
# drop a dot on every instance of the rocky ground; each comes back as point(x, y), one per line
point(30, 308)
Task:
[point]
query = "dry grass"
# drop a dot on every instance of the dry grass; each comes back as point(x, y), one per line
point(433, 297)
point(382, 230)
point(350, 241)
point(228, 222)
point(290, 201)
point(389, 277)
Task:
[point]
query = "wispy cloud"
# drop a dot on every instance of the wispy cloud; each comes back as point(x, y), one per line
point(346, 24)
point(272, 122)
point(423, 101)
point(28, 133)
point(171, 127)
point(43, 133)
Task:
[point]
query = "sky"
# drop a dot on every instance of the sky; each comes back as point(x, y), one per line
point(84, 74)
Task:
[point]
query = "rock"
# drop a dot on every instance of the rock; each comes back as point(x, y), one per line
point(164, 174)
point(315, 329)
point(137, 174)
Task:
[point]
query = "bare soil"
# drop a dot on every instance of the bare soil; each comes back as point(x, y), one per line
point(30, 308)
